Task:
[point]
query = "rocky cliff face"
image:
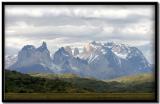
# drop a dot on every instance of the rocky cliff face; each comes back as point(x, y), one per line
point(99, 60)
point(34, 58)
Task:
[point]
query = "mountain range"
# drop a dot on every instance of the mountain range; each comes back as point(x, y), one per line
point(99, 60)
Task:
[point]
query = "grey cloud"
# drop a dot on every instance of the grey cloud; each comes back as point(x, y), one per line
point(71, 35)
point(50, 19)
point(62, 20)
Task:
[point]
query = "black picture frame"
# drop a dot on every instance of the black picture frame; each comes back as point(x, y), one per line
point(155, 4)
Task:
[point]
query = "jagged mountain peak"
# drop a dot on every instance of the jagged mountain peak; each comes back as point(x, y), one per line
point(100, 60)
point(68, 49)
point(43, 47)
point(62, 49)
point(61, 52)
point(33, 48)
point(76, 51)
point(44, 44)
point(61, 56)
point(28, 47)
point(30, 56)
point(95, 43)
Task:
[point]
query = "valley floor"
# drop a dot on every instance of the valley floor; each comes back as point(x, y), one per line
point(79, 96)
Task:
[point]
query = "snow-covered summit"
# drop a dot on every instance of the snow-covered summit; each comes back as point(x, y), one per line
point(102, 60)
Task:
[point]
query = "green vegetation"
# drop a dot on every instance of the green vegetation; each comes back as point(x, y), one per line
point(23, 83)
point(20, 86)
point(16, 82)
point(53, 76)
point(137, 83)
point(140, 78)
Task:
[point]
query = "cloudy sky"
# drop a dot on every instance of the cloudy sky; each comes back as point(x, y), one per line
point(77, 25)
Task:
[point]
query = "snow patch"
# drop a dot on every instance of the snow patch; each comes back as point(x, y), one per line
point(92, 58)
point(121, 55)
point(103, 51)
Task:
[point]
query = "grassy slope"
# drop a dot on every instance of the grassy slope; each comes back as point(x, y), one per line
point(141, 82)
point(140, 78)
point(53, 76)
point(50, 87)
point(88, 84)
point(136, 83)
point(17, 82)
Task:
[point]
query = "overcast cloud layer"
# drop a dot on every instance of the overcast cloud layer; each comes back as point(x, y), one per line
point(77, 25)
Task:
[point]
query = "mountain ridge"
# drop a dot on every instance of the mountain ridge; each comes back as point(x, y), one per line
point(100, 60)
